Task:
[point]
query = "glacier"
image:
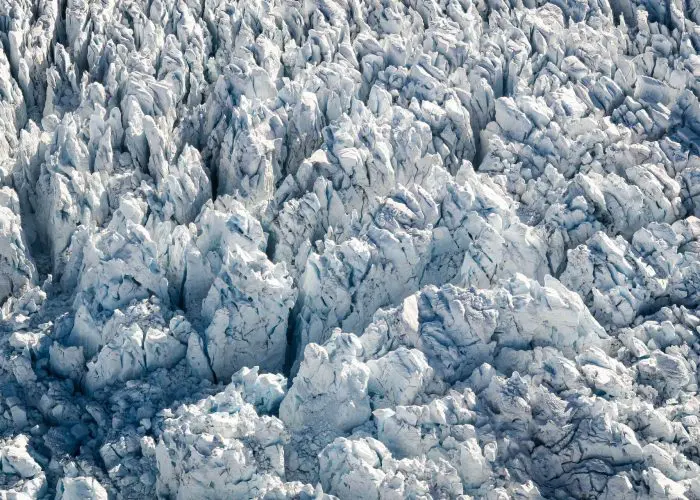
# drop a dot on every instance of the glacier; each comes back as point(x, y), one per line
point(340, 249)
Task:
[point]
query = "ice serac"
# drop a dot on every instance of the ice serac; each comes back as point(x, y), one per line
point(473, 233)
point(621, 280)
point(102, 350)
point(17, 270)
point(185, 188)
point(119, 264)
point(335, 379)
point(247, 308)
point(366, 468)
point(435, 338)
point(242, 299)
point(67, 193)
point(80, 487)
point(221, 446)
point(22, 476)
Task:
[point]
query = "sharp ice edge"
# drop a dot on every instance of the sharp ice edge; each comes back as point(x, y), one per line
point(352, 249)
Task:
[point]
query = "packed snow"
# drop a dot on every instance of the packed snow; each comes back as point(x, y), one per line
point(351, 249)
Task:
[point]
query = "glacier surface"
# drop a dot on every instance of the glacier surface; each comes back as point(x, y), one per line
point(349, 249)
